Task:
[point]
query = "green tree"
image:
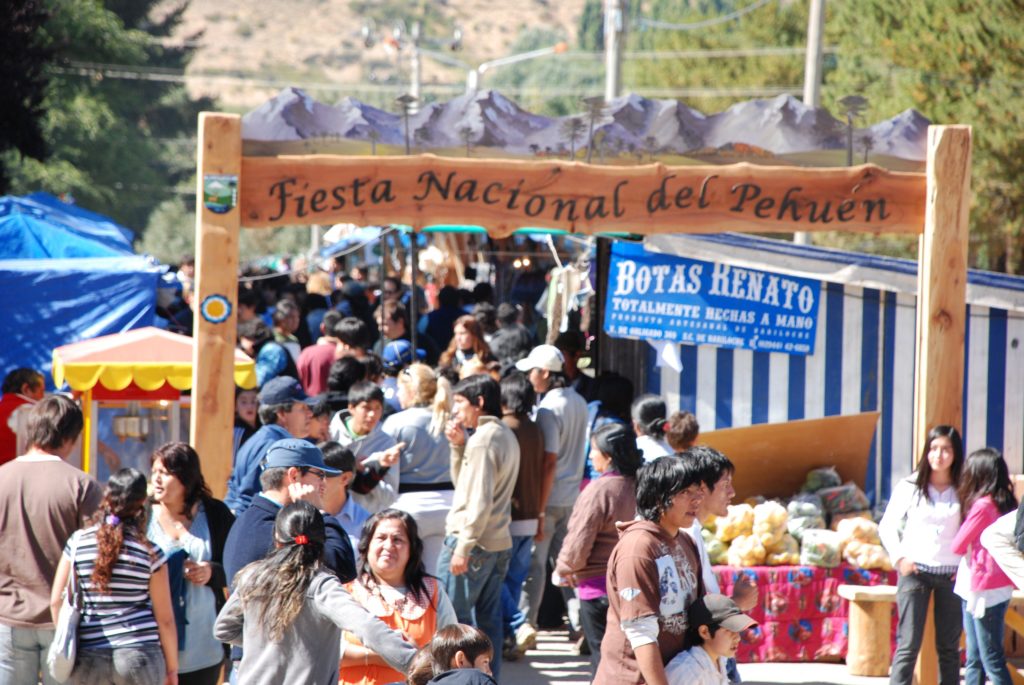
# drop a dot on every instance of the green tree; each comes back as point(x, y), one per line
point(957, 62)
point(119, 144)
point(772, 25)
point(574, 129)
point(23, 58)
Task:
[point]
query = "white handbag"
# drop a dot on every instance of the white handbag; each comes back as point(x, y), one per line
point(60, 659)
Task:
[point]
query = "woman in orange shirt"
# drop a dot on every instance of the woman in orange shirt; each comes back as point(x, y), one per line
point(393, 586)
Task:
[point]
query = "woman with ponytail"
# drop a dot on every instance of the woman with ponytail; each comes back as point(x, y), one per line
point(611, 497)
point(127, 632)
point(425, 488)
point(650, 421)
point(288, 612)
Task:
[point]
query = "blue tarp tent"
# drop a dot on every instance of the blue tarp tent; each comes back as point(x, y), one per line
point(52, 302)
point(39, 226)
point(66, 274)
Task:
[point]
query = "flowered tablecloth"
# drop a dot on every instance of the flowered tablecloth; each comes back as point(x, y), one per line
point(800, 614)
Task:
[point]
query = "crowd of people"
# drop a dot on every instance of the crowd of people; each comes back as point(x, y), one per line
point(407, 514)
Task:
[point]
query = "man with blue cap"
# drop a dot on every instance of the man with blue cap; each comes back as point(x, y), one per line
point(285, 412)
point(293, 470)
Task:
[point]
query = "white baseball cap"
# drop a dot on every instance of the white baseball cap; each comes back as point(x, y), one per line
point(546, 357)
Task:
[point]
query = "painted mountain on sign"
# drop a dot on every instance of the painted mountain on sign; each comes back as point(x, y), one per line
point(630, 125)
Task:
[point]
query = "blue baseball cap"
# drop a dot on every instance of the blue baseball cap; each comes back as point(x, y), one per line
point(399, 353)
point(284, 390)
point(298, 453)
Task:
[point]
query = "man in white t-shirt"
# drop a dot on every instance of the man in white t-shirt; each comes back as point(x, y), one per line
point(566, 435)
point(716, 473)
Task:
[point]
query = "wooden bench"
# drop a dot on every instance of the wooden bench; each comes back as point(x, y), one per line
point(868, 653)
point(870, 642)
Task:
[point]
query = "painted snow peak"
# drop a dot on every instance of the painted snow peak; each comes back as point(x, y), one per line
point(630, 129)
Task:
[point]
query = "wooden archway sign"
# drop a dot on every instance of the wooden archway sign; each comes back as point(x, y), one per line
point(505, 194)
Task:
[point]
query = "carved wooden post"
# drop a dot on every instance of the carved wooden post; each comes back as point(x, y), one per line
point(217, 229)
point(941, 308)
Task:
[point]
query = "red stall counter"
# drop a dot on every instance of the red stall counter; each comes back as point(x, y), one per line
point(800, 615)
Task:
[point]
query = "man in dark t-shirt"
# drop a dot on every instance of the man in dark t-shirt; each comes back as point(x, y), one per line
point(43, 500)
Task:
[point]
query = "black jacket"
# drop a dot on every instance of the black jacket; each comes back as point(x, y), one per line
point(252, 537)
point(463, 676)
point(220, 520)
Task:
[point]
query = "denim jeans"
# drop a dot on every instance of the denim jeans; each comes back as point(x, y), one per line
point(476, 594)
point(731, 672)
point(912, 595)
point(594, 619)
point(23, 655)
point(142, 665)
point(556, 524)
point(984, 638)
point(511, 590)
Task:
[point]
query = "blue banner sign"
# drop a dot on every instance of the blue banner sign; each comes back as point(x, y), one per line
point(654, 296)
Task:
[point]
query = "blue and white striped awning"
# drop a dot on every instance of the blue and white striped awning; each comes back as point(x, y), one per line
point(864, 353)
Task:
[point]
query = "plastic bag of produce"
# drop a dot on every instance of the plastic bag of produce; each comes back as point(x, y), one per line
point(739, 521)
point(796, 526)
point(844, 499)
point(857, 526)
point(866, 555)
point(746, 550)
point(824, 477)
point(836, 519)
point(718, 552)
point(820, 548)
point(770, 523)
point(805, 504)
point(784, 553)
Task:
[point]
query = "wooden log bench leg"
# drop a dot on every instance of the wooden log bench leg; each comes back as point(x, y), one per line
point(870, 638)
point(869, 650)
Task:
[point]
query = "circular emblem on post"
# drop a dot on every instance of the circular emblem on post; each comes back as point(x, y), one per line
point(215, 308)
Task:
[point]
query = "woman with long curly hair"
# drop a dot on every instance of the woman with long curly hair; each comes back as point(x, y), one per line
point(467, 343)
point(127, 632)
point(393, 585)
point(288, 611)
point(191, 527)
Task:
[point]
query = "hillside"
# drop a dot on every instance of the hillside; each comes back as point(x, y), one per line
point(316, 44)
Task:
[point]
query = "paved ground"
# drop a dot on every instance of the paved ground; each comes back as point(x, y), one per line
point(555, 663)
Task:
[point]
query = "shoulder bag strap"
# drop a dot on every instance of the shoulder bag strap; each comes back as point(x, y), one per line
point(73, 591)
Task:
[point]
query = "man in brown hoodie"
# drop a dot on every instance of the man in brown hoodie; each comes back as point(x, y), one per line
point(654, 575)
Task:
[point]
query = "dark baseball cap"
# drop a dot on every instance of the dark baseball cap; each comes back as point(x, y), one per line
point(298, 453)
point(399, 353)
point(283, 390)
point(719, 610)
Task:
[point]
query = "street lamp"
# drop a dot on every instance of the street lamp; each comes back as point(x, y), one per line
point(474, 75)
point(407, 102)
point(402, 37)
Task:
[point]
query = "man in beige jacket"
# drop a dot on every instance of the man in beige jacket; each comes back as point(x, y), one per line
point(478, 544)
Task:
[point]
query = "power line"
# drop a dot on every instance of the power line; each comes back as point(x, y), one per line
point(693, 26)
point(710, 53)
point(91, 70)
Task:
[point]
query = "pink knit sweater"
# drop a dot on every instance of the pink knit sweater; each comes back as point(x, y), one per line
point(985, 573)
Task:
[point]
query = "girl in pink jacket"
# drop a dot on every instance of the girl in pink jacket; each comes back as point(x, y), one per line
point(985, 494)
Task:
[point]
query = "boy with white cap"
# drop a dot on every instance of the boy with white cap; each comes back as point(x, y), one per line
point(715, 626)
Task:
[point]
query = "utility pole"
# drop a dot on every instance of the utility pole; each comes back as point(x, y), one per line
point(415, 70)
point(812, 75)
point(812, 64)
point(614, 32)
